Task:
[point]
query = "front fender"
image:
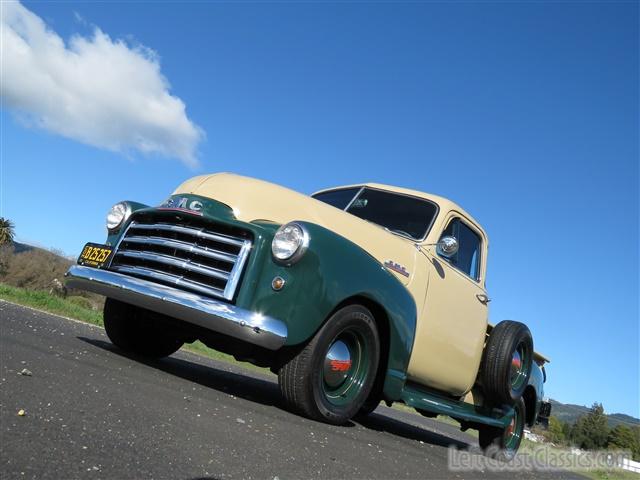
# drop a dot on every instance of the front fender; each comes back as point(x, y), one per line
point(113, 237)
point(332, 271)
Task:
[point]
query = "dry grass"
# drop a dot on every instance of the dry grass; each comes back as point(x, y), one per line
point(40, 270)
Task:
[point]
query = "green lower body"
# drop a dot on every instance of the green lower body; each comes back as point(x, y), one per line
point(466, 413)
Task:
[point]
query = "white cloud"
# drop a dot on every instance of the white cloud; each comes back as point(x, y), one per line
point(96, 90)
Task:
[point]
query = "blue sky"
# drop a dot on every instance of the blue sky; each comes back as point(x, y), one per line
point(524, 113)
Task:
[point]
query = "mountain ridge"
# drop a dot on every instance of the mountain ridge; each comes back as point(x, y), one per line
point(569, 412)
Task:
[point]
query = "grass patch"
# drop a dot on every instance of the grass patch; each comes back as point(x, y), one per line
point(530, 447)
point(68, 307)
point(609, 475)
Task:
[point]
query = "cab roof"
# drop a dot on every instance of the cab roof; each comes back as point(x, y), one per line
point(444, 203)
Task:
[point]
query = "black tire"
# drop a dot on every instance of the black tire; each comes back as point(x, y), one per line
point(309, 382)
point(374, 398)
point(502, 444)
point(507, 362)
point(368, 407)
point(133, 330)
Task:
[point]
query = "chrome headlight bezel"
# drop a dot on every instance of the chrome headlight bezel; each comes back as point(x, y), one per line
point(117, 215)
point(299, 244)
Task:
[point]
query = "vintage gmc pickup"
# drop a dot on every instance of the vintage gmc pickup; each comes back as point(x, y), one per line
point(352, 296)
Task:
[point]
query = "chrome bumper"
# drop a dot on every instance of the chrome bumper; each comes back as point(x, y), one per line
point(205, 312)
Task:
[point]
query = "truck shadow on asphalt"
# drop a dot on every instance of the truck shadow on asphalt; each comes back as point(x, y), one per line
point(249, 387)
point(382, 423)
point(246, 386)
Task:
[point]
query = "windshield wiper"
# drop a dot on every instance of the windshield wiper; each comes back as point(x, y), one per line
point(399, 233)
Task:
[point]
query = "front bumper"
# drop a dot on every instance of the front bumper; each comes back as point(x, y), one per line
point(544, 413)
point(208, 313)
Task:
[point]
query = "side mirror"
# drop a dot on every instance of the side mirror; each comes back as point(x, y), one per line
point(447, 246)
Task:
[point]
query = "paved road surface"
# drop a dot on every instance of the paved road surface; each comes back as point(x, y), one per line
point(93, 412)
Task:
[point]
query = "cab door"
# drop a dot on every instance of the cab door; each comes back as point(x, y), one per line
point(451, 327)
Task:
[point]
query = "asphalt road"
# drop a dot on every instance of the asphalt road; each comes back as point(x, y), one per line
point(93, 412)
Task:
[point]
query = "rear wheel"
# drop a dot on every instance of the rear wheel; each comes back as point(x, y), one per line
point(507, 362)
point(502, 444)
point(330, 379)
point(133, 330)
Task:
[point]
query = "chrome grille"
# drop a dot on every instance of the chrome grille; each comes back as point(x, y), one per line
point(195, 255)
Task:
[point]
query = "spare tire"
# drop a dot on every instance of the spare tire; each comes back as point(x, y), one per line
point(507, 362)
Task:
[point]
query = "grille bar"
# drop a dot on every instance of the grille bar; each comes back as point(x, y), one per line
point(167, 278)
point(196, 232)
point(194, 255)
point(184, 246)
point(167, 260)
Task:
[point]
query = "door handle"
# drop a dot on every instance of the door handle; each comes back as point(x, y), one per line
point(483, 298)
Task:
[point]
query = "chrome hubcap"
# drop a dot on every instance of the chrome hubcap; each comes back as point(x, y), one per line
point(511, 428)
point(516, 366)
point(512, 433)
point(337, 364)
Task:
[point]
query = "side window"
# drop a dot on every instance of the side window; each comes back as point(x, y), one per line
point(468, 257)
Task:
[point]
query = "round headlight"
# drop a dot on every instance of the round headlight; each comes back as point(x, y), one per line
point(118, 215)
point(289, 243)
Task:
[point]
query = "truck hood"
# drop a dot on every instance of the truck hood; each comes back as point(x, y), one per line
point(253, 199)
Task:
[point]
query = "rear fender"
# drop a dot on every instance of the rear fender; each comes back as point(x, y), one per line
point(533, 394)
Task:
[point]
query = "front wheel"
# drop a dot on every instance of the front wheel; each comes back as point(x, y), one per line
point(502, 444)
point(368, 407)
point(134, 331)
point(330, 379)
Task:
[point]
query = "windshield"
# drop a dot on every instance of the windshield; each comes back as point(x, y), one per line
point(338, 198)
point(400, 214)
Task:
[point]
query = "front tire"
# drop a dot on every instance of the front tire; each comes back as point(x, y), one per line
point(502, 444)
point(368, 407)
point(133, 330)
point(332, 376)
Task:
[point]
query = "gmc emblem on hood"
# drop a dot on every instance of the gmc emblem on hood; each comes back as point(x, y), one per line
point(182, 203)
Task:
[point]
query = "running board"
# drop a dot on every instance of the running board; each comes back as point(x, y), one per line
point(416, 397)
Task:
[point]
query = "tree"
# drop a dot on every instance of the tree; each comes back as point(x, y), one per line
point(622, 437)
point(567, 431)
point(591, 431)
point(6, 231)
point(555, 432)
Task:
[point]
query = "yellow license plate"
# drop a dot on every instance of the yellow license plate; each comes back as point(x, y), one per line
point(95, 255)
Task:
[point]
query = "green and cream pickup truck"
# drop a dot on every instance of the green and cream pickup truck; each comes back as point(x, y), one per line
point(352, 296)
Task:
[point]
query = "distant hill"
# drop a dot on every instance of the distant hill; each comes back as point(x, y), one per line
point(22, 247)
point(31, 267)
point(568, 412)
